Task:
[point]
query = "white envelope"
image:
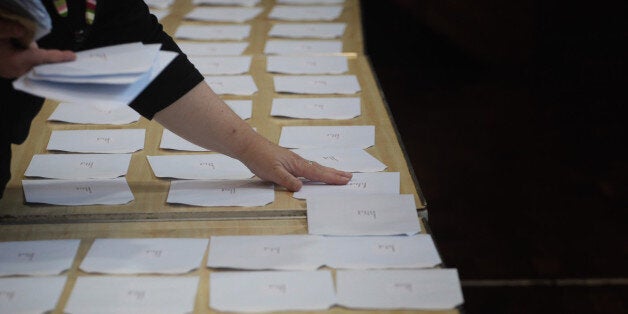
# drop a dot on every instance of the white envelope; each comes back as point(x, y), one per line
point(305, 13)
point(88, 114)
point(345, 159)
point(233, 85)
point(271, 291)
point(18, 294)
point(110, 60)
point(212, 49)
point(251, 192)
point(310, 1)
point(199, 167)
point(97, 141)
point(144, 256)
point(77, 192)
point(222, 65)
point(169, 140)
point(307, 64)
point(213, 32)
point(317, 84)
point(243, 108)
point(97, 94)
point(277, 252)
point(78, 166)
point(161, 4)
point(360, 184)
point(248, 3)
point(44, 257)
point(354, 136)
point(362, 215)
point(424, 289)
point(296, 47)
point(133, 295)
point(308, 30)
point(224, 14)
point(385, 252)
point(317, 108)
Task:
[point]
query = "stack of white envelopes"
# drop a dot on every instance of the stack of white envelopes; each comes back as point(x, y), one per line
point(109, 76)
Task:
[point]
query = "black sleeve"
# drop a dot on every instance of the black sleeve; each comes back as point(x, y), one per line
point(124, 21)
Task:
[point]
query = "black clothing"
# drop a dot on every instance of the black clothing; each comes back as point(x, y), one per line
point(116, 22)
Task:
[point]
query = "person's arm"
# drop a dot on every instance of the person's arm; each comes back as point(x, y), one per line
point(201, 117)
point(16, 61)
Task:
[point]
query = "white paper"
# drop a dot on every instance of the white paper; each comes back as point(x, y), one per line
point(305, 13)
point(295, 47)
point(354, 136)
point(160, 4)
point(345, 159)
point(213, 32)
point(133, 295)
point(169, 140)
point(362, 215)
point(18, 295)
point(88, 114)
point(221, 192)
point(243, 108)
point(110, 60)
point(425, 289)
point(44, 257)
point(386, 252)
point(212, 49)
point(277, 252)
point(144, 256)
point(115, 79)
point(97, 141)
point(223, 14)
point(97, 94)
point(78, 192)
point(317, 84)
point(360, 183)
point(248, 3)
point(307, 64)
point(317, 108)
point(199, 167)
point(78, 166)
point(308, 30)
point(232, 85)
point(222, 65)
point(310, 1)
point(271, 291)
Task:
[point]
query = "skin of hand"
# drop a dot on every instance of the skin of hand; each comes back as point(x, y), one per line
point(202, 118)
point(15, 61)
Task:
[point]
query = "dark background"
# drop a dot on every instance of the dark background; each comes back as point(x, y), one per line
point(514, 118)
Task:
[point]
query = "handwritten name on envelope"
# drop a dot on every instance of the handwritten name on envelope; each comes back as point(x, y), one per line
point(89, 114)
point(218, 14)
point(111, 294)
point(288, 47)
point(360, 183)
point(145, 256)
point(433, 289)
point(78, 166)
point(212, 49)
point(271, 291)
point(222, 65)
point(308, 30)
point(358, 136)
point(317, 108)
point(17, 295)
point(78, 192)
point(97, 141)
point(232, 85)
point(206, 166)
point(213, 32)
point(307, 64)
point(366, 214)
point(44, 257)
point(251, 192)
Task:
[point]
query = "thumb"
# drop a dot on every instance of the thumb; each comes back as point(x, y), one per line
point(40, 56)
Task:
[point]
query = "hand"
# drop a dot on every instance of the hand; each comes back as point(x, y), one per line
point(273, 163)
point(17, 61)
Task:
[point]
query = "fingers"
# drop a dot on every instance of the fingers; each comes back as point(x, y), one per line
point(316, 172)
point(18, 62)
point(287, 180)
